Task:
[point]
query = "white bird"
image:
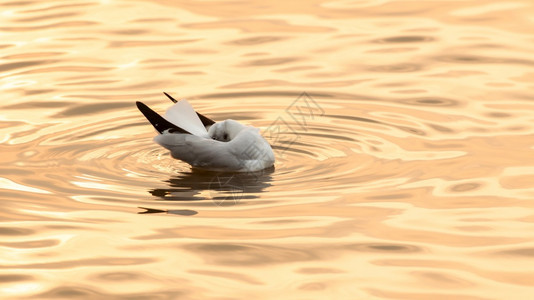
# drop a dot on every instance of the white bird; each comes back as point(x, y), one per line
point(227, 146)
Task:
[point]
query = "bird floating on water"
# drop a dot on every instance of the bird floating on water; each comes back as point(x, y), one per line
point(226, 146)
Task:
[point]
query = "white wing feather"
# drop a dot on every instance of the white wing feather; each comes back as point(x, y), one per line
point(184, 116)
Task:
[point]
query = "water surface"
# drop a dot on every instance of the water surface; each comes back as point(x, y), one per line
point(403, 133)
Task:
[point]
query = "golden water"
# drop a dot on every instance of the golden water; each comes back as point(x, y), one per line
point(405, 170)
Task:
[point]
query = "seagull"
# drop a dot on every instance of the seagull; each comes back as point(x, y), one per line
point(226, 146)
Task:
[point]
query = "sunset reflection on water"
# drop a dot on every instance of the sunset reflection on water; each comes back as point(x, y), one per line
point(403, 134)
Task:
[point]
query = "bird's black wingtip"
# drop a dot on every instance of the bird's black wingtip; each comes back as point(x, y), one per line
point(160, 123)
point(170, 97)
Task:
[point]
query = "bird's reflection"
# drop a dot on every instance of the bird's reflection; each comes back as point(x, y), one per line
point(221, 188)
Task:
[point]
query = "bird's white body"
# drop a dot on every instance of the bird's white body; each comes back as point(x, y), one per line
point(223, 146)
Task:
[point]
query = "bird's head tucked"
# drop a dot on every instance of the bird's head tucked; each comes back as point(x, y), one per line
point(226, 130)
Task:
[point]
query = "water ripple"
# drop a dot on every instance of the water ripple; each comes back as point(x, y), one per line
point(402, 135)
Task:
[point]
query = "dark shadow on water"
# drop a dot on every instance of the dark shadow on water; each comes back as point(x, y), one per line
point(181, 212)
point(221, 188)
point(405, 39)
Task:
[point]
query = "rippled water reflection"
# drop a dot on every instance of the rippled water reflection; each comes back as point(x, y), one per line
point(403, 172)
